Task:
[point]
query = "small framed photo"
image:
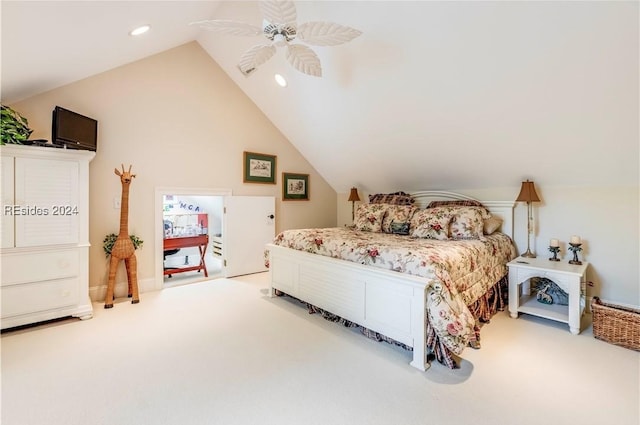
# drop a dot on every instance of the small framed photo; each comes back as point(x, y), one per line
point(295, 187)
point(259, 168)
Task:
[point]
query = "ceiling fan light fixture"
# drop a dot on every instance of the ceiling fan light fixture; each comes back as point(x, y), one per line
point(140, 30)
point(282, 82)
point(279, 40)
point(280, 27)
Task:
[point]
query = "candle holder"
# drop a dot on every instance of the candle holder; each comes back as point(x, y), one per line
point(555, 250)
point(575, 248)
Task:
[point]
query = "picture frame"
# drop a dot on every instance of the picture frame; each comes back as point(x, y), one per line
point(259, 168)
point(295, 187)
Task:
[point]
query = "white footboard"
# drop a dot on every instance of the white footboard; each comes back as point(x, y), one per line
point(387, 302)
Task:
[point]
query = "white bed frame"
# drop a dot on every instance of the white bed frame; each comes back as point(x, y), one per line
point(387, 302)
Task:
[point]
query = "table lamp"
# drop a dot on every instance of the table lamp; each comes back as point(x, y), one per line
point(353, 197)
point(528, 194)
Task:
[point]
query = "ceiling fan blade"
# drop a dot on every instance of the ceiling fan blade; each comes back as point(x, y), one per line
point(254, 57)
point(304, 60)
point(229, 27)
point(326, 33)
point(279, 12)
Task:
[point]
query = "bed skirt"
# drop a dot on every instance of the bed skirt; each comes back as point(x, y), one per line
point(494, 300)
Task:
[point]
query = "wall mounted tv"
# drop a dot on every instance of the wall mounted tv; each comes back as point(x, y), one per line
point(74, 131)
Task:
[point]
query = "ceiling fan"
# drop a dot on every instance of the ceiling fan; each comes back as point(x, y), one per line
point(280, 26)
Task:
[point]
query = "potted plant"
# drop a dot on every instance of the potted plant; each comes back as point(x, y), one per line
point(14, 127)
point(110, 240)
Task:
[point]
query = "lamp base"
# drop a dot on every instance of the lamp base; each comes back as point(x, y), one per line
point(528, 254)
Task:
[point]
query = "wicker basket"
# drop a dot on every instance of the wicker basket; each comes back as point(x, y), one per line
point(616, 324)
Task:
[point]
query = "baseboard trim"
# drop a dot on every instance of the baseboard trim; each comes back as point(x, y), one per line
point(97, 293)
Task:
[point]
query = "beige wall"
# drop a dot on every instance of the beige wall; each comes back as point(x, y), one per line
point(181, 122)
point(607, 218)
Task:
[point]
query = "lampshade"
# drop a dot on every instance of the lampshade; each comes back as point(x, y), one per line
point(528, 193)
point(353, 195)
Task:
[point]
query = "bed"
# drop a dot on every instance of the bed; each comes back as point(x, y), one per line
point(423, 293)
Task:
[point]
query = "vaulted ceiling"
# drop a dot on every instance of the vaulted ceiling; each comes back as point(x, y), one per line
point(432, 95)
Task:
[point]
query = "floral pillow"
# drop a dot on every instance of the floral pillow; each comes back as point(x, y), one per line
point(491, 224)
point(432, 223)
point(368, 217)
point(397, 213)
point(467, 222)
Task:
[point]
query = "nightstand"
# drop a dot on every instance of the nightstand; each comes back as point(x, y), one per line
point(569, 277)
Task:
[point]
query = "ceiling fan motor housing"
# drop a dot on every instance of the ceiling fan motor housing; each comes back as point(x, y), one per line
point(279, 32)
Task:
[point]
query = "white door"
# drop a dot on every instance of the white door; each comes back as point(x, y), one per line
point(248, 225)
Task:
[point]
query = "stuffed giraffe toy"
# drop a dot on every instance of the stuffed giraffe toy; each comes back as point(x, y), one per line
point(123, 248)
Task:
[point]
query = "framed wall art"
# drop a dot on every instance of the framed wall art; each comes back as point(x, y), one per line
point(295, 187)
point(259, 168)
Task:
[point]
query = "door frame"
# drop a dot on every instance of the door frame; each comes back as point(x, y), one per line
point(158, 223)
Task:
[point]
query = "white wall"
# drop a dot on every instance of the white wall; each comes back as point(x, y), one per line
point(607, 218)
point(461, 94)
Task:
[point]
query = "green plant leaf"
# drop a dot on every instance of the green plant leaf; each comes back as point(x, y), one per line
point(110, 240)
point(13, 127)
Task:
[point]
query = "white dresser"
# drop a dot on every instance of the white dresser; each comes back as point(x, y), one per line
point(45, 234)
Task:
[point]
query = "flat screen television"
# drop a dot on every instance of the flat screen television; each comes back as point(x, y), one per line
point(74, 131)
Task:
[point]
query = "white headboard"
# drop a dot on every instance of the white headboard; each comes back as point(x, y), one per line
point(501, 209)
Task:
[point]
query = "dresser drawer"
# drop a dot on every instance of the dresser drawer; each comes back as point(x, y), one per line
point(39, 296)
point(18, 268)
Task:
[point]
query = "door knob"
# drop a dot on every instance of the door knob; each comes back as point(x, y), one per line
point(271, 216)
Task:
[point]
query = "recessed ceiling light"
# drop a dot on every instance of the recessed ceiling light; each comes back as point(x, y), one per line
point(140, 30)
point(280, 80)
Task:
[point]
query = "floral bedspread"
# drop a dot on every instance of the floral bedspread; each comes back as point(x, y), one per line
point(458, 271)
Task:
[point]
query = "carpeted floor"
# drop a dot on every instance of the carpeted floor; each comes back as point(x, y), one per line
point(223, 352)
